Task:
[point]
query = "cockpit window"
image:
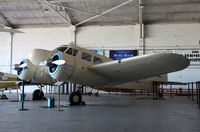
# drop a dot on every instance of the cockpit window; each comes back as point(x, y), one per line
point(75, 52)
point(69, 51)
point(97, 60)
point(61, 49)
point(86, 56)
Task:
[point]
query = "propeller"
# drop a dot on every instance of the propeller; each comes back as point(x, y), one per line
point(23, 65)
point(18, 66)
point(50, 62)
point(59, 62)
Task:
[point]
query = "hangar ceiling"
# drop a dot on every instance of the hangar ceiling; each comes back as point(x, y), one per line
point(30, 13)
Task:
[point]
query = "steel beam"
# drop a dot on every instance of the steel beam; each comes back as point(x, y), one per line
point(192, 20)
point(72, 0)
point(5, 22)
point(103, 13)
point(110, 17)
point(46, 4)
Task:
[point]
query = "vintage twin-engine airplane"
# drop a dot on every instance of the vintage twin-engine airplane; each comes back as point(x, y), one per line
point(71, 63)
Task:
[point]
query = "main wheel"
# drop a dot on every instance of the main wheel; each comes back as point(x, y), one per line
point(75, 98)
point(96, 94)
point(3, 96)
point(38, 95)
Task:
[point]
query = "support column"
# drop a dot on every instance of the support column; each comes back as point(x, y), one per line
point(73, 33)
point(63, 89)
point(18, 87)
point(46, 88)
point(162, 91)
point(71, 88)
point(153, 90)
point(74, 87)
point(192, 92)
point(170, 90)
point(22, 108)
point(188, 90)
point(67, 88)
point(82, 89)
point(11, 51)
point(58, 105)
point(197, 92)
point(142, 38)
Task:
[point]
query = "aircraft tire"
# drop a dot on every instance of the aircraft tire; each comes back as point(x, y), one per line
point(75, 98)
point(38, 95)
point(96, 94)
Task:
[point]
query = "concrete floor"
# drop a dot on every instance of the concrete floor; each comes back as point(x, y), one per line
point(106, 113)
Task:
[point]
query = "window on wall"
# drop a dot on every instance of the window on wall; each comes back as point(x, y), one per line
point(86, 56)
point(97, 60)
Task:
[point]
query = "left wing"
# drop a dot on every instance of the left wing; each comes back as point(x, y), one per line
point(140, 67)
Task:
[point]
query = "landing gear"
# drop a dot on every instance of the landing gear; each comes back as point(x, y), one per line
point(3, 96)
point(75, 98)
point(38, 95)
point(97, 93)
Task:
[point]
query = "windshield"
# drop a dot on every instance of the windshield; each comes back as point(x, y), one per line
point(61, 48)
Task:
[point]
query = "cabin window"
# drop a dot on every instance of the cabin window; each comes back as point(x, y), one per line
point(97, 60)
point(86, 56)
point(69, 51)
point(75, 52)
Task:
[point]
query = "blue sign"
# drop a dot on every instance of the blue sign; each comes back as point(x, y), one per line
point(98, 52)
point(121, 54)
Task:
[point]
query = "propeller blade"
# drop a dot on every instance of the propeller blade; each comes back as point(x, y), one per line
point(23, 65)
point(59, 62)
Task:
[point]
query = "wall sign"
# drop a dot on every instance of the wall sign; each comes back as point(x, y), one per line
point(120, 54)
point(193, 56)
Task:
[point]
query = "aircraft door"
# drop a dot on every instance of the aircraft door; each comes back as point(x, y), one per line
point(70, 62)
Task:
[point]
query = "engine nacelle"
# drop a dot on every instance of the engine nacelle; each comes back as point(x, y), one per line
point(61, 72)
point(34, 73)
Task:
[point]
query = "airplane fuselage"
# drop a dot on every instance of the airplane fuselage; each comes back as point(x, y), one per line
point(76, 68)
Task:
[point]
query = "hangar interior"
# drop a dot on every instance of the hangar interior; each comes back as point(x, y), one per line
point(148, 26)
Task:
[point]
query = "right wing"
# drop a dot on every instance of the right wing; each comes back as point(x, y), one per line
point(140, 67)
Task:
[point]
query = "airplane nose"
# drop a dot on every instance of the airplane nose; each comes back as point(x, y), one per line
point(53, 68)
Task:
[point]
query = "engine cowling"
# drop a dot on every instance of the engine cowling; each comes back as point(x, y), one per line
point(64, 71)
point(33, 73)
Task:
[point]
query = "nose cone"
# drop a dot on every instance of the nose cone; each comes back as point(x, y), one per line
point(21, 70)
point(53, 68)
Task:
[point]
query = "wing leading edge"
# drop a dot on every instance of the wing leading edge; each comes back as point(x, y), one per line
point(140, 67)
